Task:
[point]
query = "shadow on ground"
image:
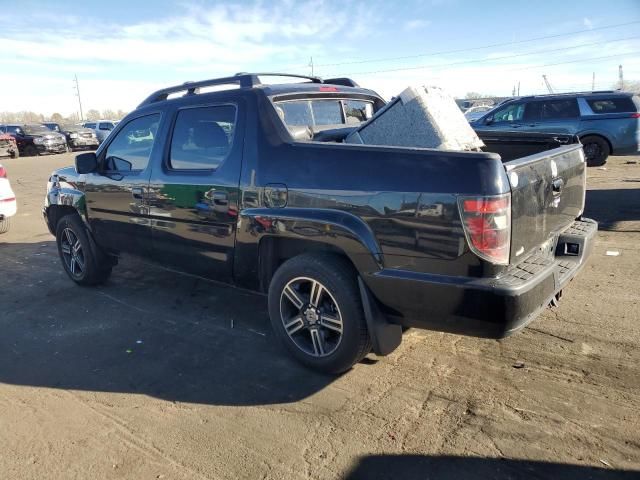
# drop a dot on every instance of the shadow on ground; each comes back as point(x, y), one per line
point(422, 467)
point(609, 207)
point(147, 331)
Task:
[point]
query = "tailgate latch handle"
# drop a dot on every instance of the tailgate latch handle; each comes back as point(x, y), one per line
point(558, 183)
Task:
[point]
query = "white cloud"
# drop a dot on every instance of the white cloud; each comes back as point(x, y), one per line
point(416, 24)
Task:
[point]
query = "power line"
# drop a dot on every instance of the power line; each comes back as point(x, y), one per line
point(505, 57)
point(503, 44)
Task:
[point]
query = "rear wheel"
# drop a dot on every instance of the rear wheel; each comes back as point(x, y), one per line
point(5, 223)
point(316, 311)
point(15, 153)
point(81, 258)
point(596, 150)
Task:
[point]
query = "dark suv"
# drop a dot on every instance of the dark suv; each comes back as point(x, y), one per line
point(607, 123)
point(34, 139)
point(77, 136)
point(253, 185)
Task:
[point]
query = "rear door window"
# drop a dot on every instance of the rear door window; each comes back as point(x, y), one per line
point(558, 109)
point(202, 137)
point(612, 105)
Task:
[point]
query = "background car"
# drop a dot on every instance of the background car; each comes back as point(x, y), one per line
point(102, 128)
point(34, 139)
point(8, 146)
point(77, 136)
point(477, 112)
point(8, 205)
point(607, 122)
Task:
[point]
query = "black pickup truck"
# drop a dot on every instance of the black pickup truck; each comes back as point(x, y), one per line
point(252, 185)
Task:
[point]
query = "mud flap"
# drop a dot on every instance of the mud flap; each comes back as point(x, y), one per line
point(385, 336)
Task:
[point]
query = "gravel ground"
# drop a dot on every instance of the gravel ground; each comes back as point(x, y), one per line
point(160, 375)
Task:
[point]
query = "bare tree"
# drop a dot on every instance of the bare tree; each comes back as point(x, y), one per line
point(57, 118)
point(93, 115)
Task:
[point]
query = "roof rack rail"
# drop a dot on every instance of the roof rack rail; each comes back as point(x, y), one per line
point(347, 82)
point(560, 94)
point(243, 80)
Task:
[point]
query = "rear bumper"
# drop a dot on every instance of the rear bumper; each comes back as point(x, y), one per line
point(83, 142)
point(485, 307)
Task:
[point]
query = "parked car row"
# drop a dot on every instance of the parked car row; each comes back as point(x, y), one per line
point(607, 122)
point(50, 137)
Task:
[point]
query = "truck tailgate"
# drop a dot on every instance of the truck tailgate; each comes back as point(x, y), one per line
point(547, 195)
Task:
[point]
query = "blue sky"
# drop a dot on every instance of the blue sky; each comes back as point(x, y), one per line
point(121, 50)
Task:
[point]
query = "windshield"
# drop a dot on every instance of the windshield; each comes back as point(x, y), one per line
point(31, 129)
point(311, 113)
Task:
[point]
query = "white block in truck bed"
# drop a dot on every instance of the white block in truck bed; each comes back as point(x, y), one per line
point(419, 117)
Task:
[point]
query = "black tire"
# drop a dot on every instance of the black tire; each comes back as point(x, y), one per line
point(340, 298)
point(5, 223)
point(15, 154)
point(30, 151)
point(83, 261)
point(596, 150)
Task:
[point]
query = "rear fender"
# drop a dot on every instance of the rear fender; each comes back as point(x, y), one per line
point(338, 230)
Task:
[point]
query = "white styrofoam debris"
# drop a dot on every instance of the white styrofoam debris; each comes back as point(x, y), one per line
point(419, 117)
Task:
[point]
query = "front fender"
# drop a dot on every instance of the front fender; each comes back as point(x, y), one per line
point(63, 195)
point(341, 230)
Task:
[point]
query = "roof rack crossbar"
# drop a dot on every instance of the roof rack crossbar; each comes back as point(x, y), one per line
point(244, 80)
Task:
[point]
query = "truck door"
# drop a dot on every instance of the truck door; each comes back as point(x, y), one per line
point(193, 198)
point(115, 194)
point(552, 116)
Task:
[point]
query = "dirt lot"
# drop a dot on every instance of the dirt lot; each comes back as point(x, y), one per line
point(159, 375)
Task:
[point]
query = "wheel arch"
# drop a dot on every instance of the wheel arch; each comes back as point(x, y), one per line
point(598, 134)
point(269, 237)
point(61, 201)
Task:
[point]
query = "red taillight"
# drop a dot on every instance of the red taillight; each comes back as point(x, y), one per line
point(487, 226)
point(3, 172)
point(635, 115)
point(328, 89)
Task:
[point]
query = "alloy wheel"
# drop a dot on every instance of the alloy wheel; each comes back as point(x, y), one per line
point(72, 252)
point(311, 316)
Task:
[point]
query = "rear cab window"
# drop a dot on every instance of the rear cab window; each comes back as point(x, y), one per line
point(613, 105)
point(324, 112)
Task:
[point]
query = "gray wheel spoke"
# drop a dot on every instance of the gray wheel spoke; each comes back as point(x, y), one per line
point(72, 264)
point(316, 340)
point(331, 322)
point(66, 249)
point(294, 325)
point(67, 233)
point(77, 246)
point(316, 293)
point(293, 297)
point(79, 263)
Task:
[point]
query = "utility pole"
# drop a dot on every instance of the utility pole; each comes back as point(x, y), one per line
point(593, 82)
point(311, 65)
point(518, 87)
point(77, 87)
point(621, 87)
point(546, 82)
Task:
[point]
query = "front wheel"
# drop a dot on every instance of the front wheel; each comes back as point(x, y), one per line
point(596, 150)
point(30, 151)
point(316, 311)
point(81, 259)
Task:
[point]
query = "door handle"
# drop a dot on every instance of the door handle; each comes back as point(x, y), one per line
point(137, 192)
point(515, 125)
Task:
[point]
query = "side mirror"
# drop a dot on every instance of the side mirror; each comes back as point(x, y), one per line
point(86, 162)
